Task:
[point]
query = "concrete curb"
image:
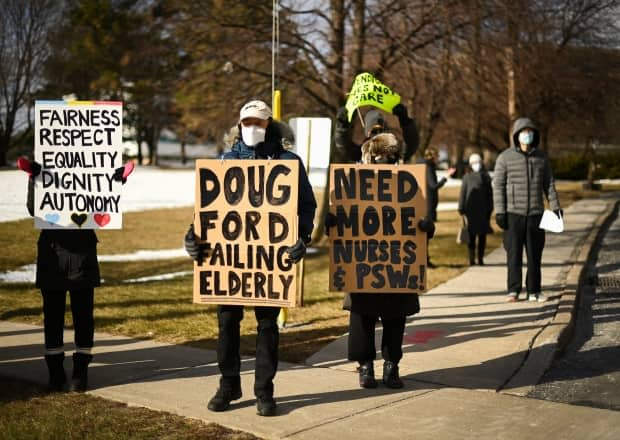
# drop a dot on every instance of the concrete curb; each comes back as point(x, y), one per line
point(556, 335)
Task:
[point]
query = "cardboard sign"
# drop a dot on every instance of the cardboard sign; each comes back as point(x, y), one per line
point(78, 144)
point(368, 90)
point(377, 247)
point(246, 215)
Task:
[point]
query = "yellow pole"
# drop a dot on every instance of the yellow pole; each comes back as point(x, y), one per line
point(277, 115)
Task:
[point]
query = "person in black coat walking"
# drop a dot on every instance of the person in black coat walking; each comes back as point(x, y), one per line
point(391, 308)
point(476, 204)
point(257, 136)
point(67, 261)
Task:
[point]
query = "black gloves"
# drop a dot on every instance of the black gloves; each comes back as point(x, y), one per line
point(400, 111)
point(118, 175)
point(427, 225)
point(342, 115)
point(329, 222)
point(121, 173)
point(559, 212)
point(502, 220)
point(193, 248)
point(33, 168)
point(297, 251)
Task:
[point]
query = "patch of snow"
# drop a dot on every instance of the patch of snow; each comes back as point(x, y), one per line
point(164, 276)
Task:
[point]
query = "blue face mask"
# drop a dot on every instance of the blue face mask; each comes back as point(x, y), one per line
point(526, 137)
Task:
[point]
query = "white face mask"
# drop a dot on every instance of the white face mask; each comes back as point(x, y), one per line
point(476, 166)
point(252, 135)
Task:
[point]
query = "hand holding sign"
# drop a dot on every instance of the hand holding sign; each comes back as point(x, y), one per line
point(31, 167)
point(296, 252)
point(121, 173)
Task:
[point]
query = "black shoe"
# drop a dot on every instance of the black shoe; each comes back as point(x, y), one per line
point(390, 375)
point(266, 406)
point(79, 378)
point(57, 376)
point(367, 375)
point(431, 265)
point(223, 397)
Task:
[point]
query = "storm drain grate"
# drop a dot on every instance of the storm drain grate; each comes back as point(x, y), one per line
point(609, 282)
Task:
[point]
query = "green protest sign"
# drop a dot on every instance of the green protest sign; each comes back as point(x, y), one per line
point(367, 90)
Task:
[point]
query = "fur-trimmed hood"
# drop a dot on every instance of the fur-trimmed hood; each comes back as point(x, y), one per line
point(380, 145)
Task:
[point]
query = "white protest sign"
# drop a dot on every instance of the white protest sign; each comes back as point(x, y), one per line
point(79, 146)
point(312, 144)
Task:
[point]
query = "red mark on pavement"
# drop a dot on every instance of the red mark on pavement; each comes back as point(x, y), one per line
point(422, 336)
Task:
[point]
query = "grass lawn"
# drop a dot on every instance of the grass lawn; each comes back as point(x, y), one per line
point(27, 412)
point(163, 311)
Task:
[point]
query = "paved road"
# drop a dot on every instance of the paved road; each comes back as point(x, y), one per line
point(588, 373)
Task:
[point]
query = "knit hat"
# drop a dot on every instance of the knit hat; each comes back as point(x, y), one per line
point(475, 158)
point(255, 109)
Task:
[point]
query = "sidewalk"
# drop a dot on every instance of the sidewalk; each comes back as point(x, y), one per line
point(469, 358)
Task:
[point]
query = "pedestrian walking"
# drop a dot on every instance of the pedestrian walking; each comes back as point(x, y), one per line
point(476, 204)
point(392, 309)
point(522, 180)
point(67, 261)
point(256, 136)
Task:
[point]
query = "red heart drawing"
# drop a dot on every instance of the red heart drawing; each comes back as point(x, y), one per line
point(102, 219)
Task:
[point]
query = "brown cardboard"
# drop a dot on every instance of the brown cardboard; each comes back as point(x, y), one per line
point(380, 233)
point(247, 226)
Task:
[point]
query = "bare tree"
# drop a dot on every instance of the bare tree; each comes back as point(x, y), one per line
point(24, 27)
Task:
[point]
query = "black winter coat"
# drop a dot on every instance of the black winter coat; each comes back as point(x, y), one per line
point(273, 148)
point(432, 189)
point(476, 201)
point(385, 305)
point(66, 258)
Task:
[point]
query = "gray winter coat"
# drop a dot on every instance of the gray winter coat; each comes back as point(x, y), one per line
point(521, 179)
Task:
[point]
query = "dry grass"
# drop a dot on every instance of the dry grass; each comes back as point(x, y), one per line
point(163, 311)
point(27, 412)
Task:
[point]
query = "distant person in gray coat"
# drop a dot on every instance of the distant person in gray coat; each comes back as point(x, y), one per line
point(476, 204)
point(522, 177)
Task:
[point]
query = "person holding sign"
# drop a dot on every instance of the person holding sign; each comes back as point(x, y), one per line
point(257, 136)
point(521, 180)
point(380, 147)
point(67, 261)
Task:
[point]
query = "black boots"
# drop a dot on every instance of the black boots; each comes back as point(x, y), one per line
point(390, 375)
point(56, 370)
point(229, 390)
point(367, 375)
point(472, 256)
point(79, 378)
point(265, 406)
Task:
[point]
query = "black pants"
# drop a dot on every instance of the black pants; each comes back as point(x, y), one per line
point(524, 231)
point(54, 317)
point(267, 339)
point(362, 338)
point(474, 238)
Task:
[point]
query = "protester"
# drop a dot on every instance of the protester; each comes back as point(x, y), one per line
point(67, 261)
point(257, 136)
point(431, 159)
point(521, 179)
point(476, 204)
point(391, 308)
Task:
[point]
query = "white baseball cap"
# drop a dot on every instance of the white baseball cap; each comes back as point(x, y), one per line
point(255, 109)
